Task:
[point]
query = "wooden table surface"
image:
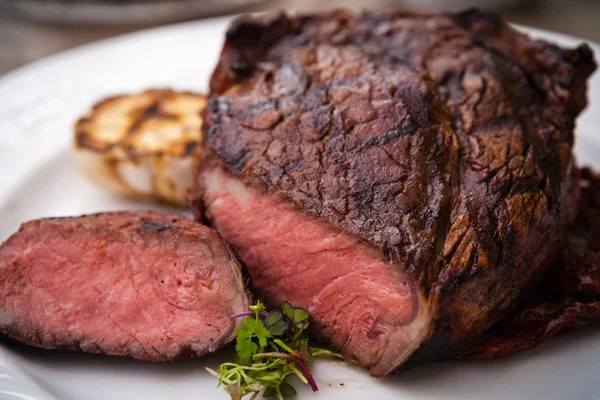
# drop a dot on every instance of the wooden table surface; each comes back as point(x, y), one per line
point(23, 41)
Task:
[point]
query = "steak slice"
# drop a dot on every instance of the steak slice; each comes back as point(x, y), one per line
point(405, 177)
point(147, 285)
point(569, 296)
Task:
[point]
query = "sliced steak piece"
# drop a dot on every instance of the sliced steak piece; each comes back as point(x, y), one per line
point(403, 176)
point(142, 284)
point(569, 296)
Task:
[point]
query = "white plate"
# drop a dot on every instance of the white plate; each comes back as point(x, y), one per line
point(39, 103)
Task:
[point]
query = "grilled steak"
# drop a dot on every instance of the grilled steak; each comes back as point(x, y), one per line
point(405, 177)
point(570, 293)
point(142, 284)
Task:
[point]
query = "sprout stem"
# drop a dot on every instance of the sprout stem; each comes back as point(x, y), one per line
point(212, 372)
point(299, 374)
point(308, 375)
point(286, 347)
point(260, 356)
point(247, 314)
point(315, 352)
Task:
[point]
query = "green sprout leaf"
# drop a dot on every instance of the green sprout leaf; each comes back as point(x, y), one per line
point(276, 324)
point(279, 328)
point(259, 330)
point(288, 309)
point(269, 348)
point(298, 318)
point(245, 345)
point(235, 390)
point(296, 315)
point(273, 317)
point(285, 389)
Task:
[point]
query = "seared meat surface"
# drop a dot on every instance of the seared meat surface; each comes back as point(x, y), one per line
point(569, 296)
point(405, 177)
point(142, 284)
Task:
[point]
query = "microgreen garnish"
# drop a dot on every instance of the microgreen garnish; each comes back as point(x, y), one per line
point(270, 347)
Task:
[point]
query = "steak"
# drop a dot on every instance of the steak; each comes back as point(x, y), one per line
point(570, 293)
point(405, 177)
point(147, 285)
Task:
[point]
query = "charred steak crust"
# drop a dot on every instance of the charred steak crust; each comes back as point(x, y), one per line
point(153, 286)
point(570, 293)
point(444, 140)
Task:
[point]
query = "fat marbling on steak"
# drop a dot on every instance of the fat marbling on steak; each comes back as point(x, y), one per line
point(405, 177)
point(147, 285)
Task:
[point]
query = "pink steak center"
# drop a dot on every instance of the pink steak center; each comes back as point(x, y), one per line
point(364, 306)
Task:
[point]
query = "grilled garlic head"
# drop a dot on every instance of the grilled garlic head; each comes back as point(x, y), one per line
point(145, 145)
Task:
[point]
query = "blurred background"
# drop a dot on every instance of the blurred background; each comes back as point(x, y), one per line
point(32, 29)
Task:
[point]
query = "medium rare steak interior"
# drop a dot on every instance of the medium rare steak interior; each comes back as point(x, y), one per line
point(147, 285)
point(405, 177)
